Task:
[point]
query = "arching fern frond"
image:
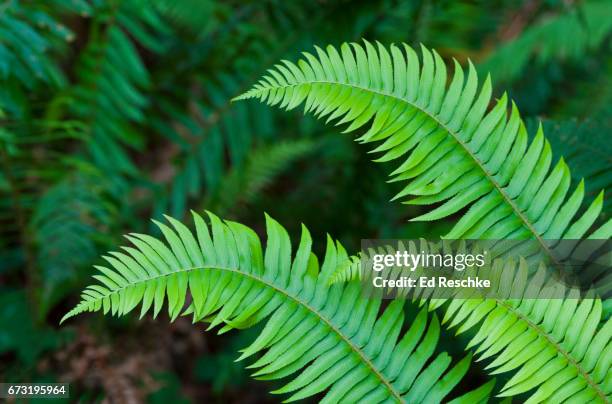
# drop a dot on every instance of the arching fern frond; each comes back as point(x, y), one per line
point(452, 150)
point(333, 336)
point(560, 347)
point(547, 342)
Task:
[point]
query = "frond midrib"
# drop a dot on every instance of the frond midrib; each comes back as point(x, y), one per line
point(595, 386)
point(516, 210)
point(288, 295)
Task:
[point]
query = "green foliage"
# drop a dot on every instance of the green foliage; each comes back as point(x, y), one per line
point(110, 96)
point(67, 222)
point(30, 157)
point(30, 35)
point(540, 340)
point(58, 224)
point(585, 147)
point(344, 345)
point(243, 183)
point(510, 188)
point(508, 185)
point(203, 123)
point(587, 23)
point(112, 112)
point(590, 99)
point(536, 338)
point(211, 129)
point(431, 21)
point(18, 329)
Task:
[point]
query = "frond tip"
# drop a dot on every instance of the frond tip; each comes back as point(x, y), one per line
point(332, 337)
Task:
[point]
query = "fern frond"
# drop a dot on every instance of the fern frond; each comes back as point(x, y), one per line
point(211, 127)
point(31, 36)
point(545, 341)
point(72, 217)
point(111, 94)
point(31, 158)
point(264, 164)
point(55, 208)
point(560, 347)
point(451, 149)
point(203, 122)
point(333, 336)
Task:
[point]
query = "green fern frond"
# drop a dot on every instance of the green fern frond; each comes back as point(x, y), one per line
point(264, 164)
point(333, 336)
point(451, 149)
point(72, 216)
point(31, 158)
point(211, 127)
point(203, 122)
point(111, 94)
point(537, 338)
point(31, 36)
point(52, 202)
point(560, 347)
